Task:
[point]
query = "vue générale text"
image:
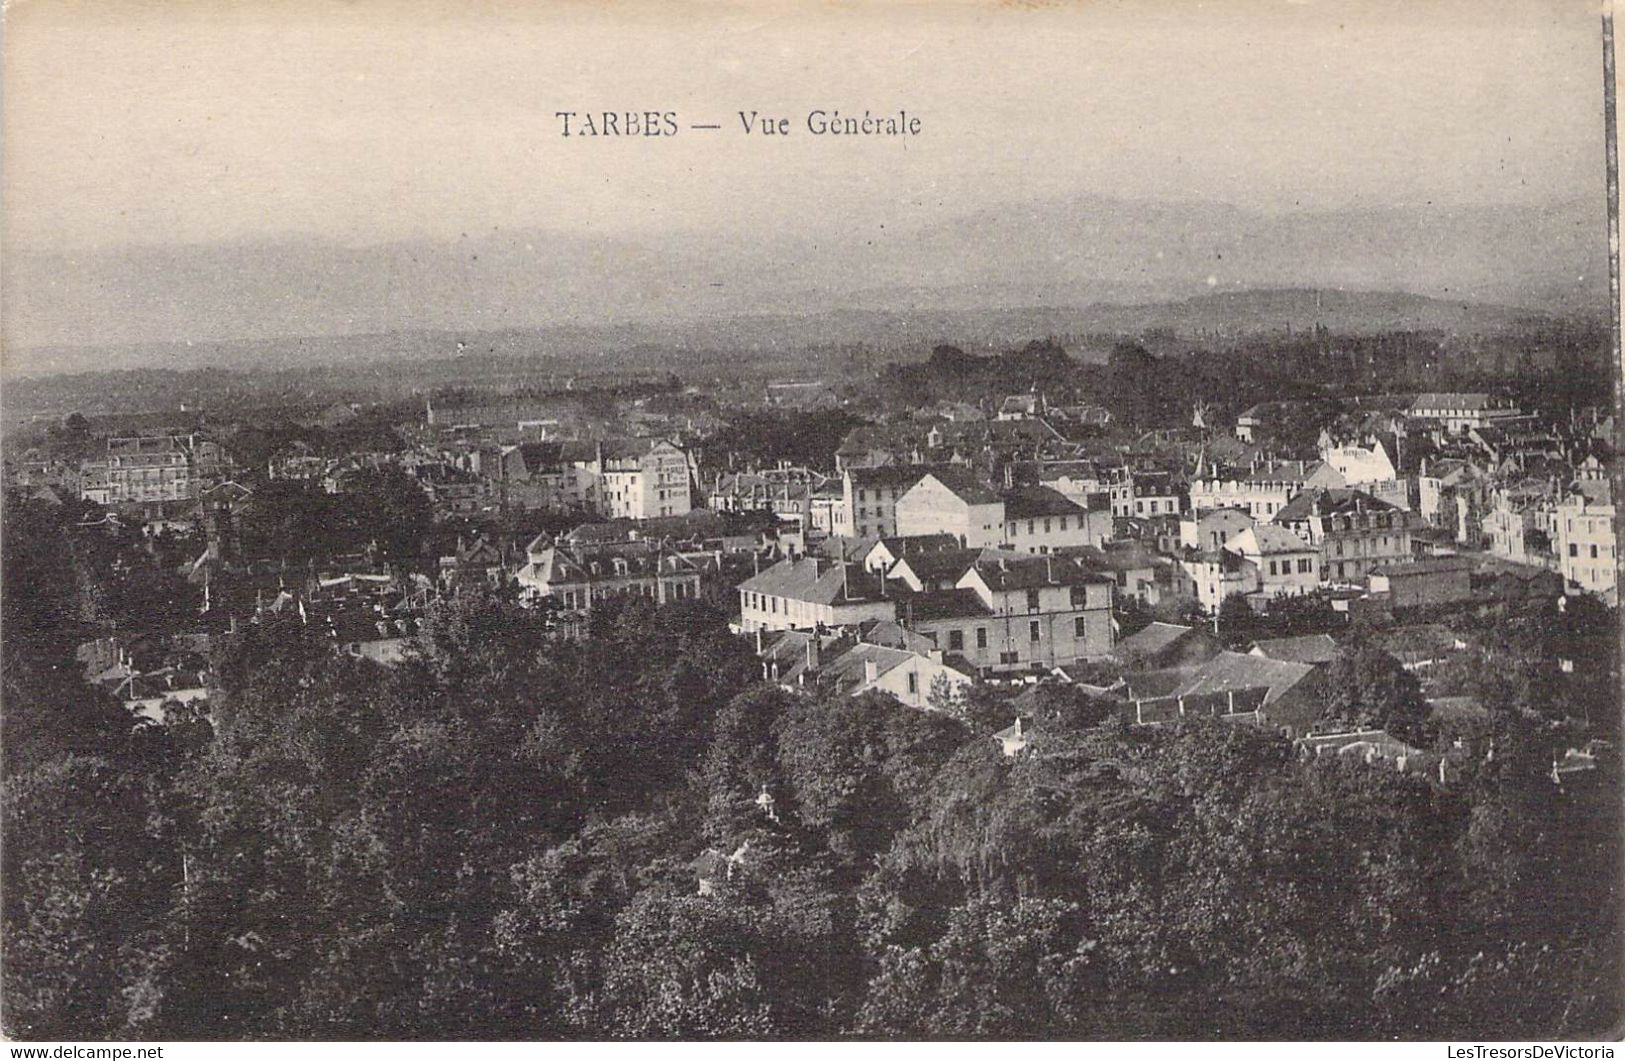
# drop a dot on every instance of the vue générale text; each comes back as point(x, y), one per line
point(818, 122)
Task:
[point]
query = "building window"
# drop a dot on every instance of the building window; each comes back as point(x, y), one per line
point(981, 637)
point(1574, 550)
point(913, 683)
point(1080, 626)
point(1046, 526)
point(1593, 552)
point(1272, 568)
point(956, 640)
point(1063, 523)
point(1032, 600)
point(1033, 634)
point(1080, 597)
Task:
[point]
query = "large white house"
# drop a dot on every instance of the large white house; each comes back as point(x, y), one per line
point(1029, 519)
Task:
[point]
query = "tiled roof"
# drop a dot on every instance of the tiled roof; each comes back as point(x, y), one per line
point(1228, 672)
point(899, 475)
point(1452, 400)
point(1331, 503)
point(816, 581)
point(1266, 539)
point(943, 604)
point(847, 670)
point(920, 544)
point(1433, 565)
point(1032, 572)
point(1028, 502)
point(1307, 648)
point(930, 567)
point(1151, 640)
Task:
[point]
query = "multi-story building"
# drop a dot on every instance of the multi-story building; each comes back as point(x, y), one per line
point(1353, 531)
point(1217, 574)
point(578, 576)
point(1459, 412)
point(868, 506)
point(1262, 490)
point(1518, 524)
point(1029, 519)
point(1010, 612)
point(643, 479)
point(1210, 529)
point(1452, 494)
point(1287, 566)
point(1077, 480)
point(1585, 543)
point(791, 494)
point(153, 468)
point(1144, 495)
point(1367, 468)
point(808, 592)
point(556, 476)
point(995, 610)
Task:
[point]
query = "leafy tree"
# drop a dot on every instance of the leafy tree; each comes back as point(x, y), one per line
point(1366, 688)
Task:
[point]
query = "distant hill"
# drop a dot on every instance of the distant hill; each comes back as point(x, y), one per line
point(671, 344)
point(980, 273)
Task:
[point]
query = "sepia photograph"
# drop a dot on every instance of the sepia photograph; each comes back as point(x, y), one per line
point(809, 520)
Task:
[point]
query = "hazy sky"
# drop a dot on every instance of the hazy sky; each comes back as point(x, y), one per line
point(370, 121)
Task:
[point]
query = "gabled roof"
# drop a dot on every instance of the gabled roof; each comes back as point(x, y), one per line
point(893, 634)
point(1306, 648)
point(847, 670)
point(1029, 502)
point(1329, 502)
point(1452, 400)
point(949, 564)
point(1034, 572)
point(1266, 539)
point(816, 581)
point(1151, 640)
point(919, 544)
point(1255, 680)
point(943, 604)
point(964, 485)
point(1234, 671)
point(900, 475)
point(559, 565)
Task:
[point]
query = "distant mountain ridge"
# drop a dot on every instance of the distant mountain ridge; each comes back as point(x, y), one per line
point(978, 271)
point(1212, 315)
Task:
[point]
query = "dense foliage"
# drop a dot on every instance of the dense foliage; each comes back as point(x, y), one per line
point(514, 836)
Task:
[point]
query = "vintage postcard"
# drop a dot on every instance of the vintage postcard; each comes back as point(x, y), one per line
point(810, 521)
